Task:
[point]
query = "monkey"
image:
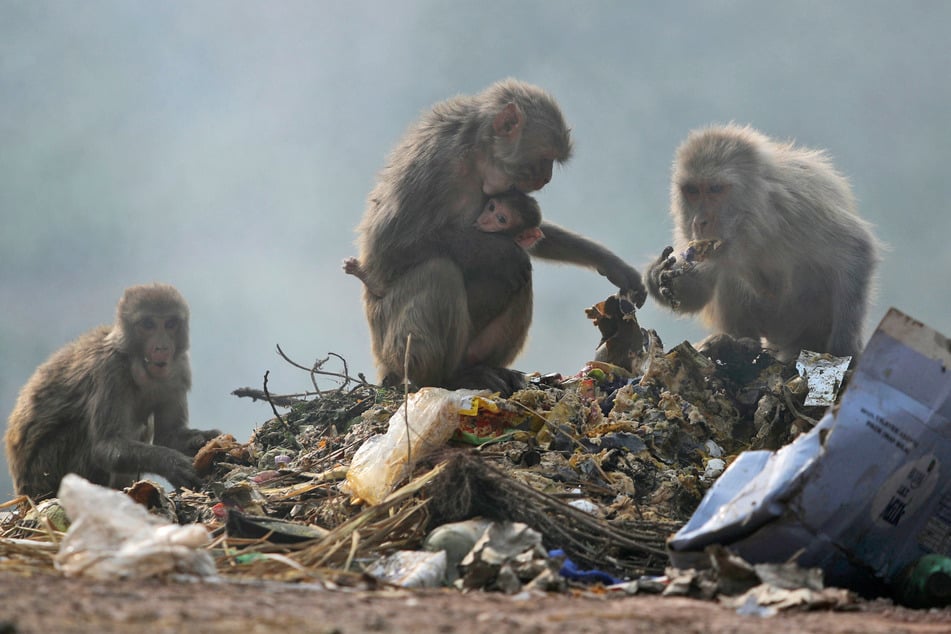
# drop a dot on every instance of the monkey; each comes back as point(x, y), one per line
point(96, 406)
point(508, 136)
point(511, 214)
point(494, 271)
point(787, 262)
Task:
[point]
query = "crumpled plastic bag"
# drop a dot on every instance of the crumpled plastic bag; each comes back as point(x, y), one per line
point(411, 568)
point(384, 460)
point(506, 557)
point(112, 537)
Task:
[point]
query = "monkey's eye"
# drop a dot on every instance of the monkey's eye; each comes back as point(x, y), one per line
point(716, 189)
point(502, 219)
point(690, 189)
point(171, 323)
point(148, 323)
point(491, 205)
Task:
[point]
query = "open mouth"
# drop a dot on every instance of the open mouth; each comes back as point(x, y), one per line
point(158, 369)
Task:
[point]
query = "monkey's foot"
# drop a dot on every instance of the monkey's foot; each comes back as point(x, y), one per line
point(502, 380)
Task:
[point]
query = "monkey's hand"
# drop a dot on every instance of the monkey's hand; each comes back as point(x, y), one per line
point(660, 276)
point(178, 470)
point(192, 440)
point(683, 286)
point(627, 279)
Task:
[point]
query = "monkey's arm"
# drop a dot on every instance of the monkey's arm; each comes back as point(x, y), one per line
point(566, 246)
point(122, 455)
point(114, 449)
point(686, 289)
point(850, 299)
point(171, 428)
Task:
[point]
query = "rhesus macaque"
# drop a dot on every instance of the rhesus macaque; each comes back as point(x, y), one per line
point(512, 214)
point(96, 406)
point(494, 272)
point(767, 244)
point(434, 183)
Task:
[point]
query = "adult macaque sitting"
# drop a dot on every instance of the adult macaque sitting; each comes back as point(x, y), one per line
point(112, 404)
point(767, 244)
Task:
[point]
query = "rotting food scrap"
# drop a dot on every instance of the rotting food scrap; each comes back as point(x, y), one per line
point(700, 250)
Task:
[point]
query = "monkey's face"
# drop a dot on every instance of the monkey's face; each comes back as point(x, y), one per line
point(705, 208)
point(495, 217)
point(158, 335)
point(525, 154)
point(501, 177)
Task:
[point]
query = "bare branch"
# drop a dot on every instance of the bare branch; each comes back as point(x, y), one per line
point(268, 398)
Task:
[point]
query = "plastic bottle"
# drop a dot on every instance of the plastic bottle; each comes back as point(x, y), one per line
point(926, 583)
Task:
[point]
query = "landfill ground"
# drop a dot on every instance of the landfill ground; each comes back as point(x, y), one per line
point(52, 603)
point(605, 464)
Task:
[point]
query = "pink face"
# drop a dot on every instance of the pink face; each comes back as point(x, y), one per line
point(158, 336)
point(496, 216)
point(499, 216)
point(705, 201)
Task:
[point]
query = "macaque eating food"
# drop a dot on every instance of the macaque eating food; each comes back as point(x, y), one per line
point(769, 244)
point(112, 404)
point(700, 250)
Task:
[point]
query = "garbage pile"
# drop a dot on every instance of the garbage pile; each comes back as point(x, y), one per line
point(865, 495)
point(600, 467)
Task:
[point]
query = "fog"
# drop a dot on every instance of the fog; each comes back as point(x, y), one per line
point(228, 148)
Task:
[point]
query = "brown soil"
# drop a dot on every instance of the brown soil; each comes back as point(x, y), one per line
point(48, 602)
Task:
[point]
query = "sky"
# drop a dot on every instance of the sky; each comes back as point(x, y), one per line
point(228, 147)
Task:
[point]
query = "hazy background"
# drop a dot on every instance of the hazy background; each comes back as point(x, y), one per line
point(228, 147)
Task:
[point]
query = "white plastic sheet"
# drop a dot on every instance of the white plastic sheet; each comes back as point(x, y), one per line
point(113, 537)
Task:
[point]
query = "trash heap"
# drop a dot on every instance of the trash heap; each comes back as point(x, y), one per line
point(585, 475)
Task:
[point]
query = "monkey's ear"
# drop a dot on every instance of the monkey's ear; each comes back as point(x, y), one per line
point(509, 121)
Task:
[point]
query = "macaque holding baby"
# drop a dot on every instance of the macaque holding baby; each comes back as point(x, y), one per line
point(511, 214)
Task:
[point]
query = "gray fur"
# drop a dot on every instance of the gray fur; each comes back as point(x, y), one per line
point(434, 186)
point(797, 262)
point(86, 410)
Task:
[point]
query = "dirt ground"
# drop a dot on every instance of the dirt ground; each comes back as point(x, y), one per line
point(48, 602)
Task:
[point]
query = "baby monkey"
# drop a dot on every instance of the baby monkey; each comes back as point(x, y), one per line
point(511, 214)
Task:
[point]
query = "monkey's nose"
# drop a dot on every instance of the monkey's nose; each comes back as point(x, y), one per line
point(536, 184)
point(699, 226)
